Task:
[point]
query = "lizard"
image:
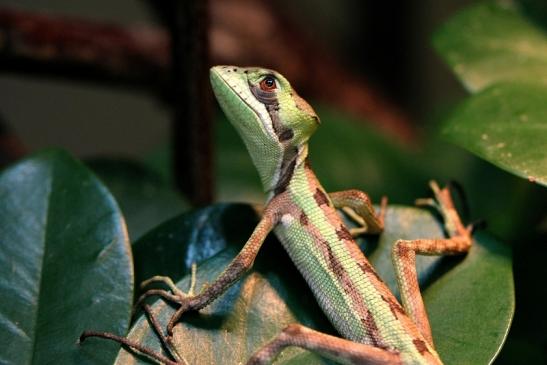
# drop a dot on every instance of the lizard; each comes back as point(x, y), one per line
point(275, 124)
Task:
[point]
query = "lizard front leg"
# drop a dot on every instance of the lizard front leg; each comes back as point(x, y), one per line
point(188, 301)
point(358, 206)
point(235, 270)
point(404, 256)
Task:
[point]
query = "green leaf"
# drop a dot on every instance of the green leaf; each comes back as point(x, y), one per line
point(482, 286)
point(274, 295)
point(144, 198)
point(65, 263)
point(172, 248)
point(456, 289)
point(491, 42)
point(506, 125)
point(251, 311)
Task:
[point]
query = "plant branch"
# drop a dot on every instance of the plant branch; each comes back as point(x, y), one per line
point(76, 49)
point(192, 132)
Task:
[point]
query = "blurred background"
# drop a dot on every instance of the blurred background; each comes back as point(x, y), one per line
point(96, 79)
point(386, 47)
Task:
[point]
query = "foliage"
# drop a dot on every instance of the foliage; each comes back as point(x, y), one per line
point(65, 262)
point(218, 232)
point(259, 306)
point(502, 57)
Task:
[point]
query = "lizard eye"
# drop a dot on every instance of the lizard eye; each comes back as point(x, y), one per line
point(268, 83)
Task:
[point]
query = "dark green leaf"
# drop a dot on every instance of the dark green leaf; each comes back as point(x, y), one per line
point(491, 42)
point(144, 198)
point(505, 124)
point(473, 331)
point(274, 294)
point(65, 263)
point(175, 245)
point(250, 312)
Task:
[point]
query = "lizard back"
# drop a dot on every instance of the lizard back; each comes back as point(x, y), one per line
point(348, 289)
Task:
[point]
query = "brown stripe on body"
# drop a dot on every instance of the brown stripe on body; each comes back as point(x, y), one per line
point(357, 255)
point(368, 270)
point(420, 346)
point(269, 99)
point(284, 135)
point(277, 125)
point(304, 220)
point(290, 153)
point(394, 307)
point(320, 197)
point(348, 286)
point(372, 328)
point(296, 212)
point(343, 233)
point(285, 174)
point(357, 303)
point(352, 292)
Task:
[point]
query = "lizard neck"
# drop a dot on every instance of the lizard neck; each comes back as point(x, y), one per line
point(294, 162)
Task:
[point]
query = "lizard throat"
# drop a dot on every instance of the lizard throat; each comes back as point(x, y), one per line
point(293, 158)
point(292, 155)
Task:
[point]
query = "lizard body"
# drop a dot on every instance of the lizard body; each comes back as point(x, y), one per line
point(275, 125)
point(348, 289)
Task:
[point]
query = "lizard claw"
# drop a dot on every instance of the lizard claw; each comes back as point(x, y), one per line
point(442, 202)
point(174, 294)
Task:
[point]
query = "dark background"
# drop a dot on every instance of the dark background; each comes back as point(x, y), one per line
point(388, 43)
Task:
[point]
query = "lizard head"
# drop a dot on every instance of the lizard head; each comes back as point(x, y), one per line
point(272, 119)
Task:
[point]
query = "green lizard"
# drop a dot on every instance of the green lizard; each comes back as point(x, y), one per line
point(275, 124)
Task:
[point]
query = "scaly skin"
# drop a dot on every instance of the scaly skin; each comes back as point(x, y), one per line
point(275, 124)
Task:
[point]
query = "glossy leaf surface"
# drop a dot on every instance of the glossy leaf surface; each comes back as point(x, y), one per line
point(65, 263)
point(494, 48)
point(491, 42)
point(505, 124)
point(171, 248)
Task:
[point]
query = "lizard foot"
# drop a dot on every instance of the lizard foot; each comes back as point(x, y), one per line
point(443, 203)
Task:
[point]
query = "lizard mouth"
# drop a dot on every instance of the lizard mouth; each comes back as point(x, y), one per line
point(217, 75)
